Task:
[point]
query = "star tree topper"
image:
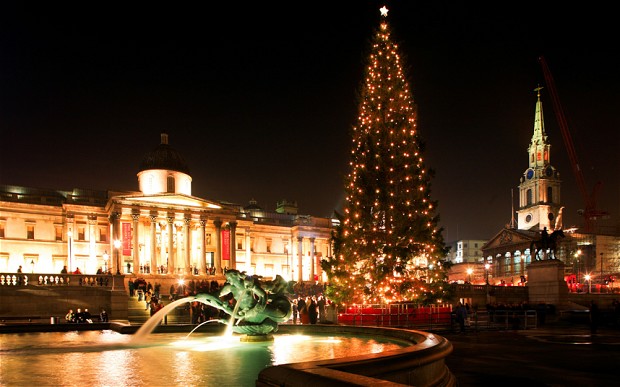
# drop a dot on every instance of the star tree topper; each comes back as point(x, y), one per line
point(383, 11)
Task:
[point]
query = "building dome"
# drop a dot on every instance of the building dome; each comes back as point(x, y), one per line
point(164, 157)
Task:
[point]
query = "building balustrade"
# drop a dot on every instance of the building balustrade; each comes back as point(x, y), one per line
point(42, 279)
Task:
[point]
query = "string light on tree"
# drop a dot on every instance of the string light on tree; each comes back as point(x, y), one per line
point(388, 233)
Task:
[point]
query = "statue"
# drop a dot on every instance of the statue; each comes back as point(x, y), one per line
point(546, 245)
point(258, 306)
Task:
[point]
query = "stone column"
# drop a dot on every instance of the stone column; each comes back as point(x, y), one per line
point(203, 248)
point(319, 269)
point(300, 257)
point(153, 263)
point(92, 237)
point(312, 259)
point(115, 220)
point(136, 243)
point(218, 246)
point(233, 245)
point(171, 258)
point(188, 243)
point(248, 251)
point(70, 264)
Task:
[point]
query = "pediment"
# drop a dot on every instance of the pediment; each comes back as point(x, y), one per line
point(170, 200)
point(509, 237)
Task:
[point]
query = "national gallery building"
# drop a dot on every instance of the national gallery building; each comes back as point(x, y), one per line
point(159, 230)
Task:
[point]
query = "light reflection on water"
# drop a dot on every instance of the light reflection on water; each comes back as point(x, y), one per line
point(107, 358)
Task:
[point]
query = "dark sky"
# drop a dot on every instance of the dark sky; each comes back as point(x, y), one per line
point(260, 98)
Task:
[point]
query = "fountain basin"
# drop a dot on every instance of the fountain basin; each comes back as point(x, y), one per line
point(398, 356)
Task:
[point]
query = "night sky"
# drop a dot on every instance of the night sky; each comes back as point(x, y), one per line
point(260, 98)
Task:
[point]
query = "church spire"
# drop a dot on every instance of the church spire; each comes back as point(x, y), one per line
point(539, 189)
point(539, 150)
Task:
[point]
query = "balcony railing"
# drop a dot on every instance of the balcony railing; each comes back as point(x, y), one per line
point(43, 279)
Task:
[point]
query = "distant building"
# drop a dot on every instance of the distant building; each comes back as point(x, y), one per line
point(540, 211)
point(159, 230)
point(464, 251)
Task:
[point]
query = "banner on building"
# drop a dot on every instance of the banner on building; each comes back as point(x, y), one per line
point(126, 238)
point(225, 245)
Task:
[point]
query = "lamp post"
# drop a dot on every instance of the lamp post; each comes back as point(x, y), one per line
point(601, 278)
point(32, 263)
point(577, 255)
point(106, 256)
point(469, 271)
point(588, 278)
point(117, 245)
point(487, 266)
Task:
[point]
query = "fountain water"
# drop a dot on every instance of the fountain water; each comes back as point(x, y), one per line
point(255, 310)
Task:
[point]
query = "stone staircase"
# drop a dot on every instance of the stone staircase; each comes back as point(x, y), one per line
point(138, 315)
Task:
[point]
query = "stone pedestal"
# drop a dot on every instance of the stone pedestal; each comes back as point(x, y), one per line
point(546, 283)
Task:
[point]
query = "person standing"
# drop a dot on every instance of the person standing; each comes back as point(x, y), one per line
point(147, 299)
point(70, 317)
point(303, 310)
point(461, 317)
point(321, 303)
point(594, 317)
point(312, 311)
point(295, 311)
point(103, 316)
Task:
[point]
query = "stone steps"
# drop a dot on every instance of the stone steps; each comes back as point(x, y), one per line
point(138, 314)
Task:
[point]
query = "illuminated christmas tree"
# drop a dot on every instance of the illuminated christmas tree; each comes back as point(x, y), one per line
point(388, 247)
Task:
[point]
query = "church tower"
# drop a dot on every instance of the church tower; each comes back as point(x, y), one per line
point(539, 188)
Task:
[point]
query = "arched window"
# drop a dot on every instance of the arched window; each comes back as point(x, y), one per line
point(549, 194)
point(529, 197)
point(170, 185)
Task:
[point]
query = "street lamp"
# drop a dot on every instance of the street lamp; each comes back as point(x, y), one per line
point(587, 278)
point(577, 255)
point(469, 271)
point(487, 266)
point(106, 256)
point(117, 245)
point(601, 269)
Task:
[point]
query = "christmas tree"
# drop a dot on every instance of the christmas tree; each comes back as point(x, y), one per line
point(388, 247)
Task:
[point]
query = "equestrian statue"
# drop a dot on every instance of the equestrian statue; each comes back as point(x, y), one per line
point(547, 244)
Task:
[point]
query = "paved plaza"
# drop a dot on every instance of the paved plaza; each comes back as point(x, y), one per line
point(551, 355)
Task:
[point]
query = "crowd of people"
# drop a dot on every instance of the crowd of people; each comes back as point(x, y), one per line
point(310, 309)
point(79, 316)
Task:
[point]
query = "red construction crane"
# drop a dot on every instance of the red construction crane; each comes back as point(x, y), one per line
point(590, 213)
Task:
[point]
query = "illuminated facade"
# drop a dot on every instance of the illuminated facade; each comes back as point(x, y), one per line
point(159, 230)
point(508, 252)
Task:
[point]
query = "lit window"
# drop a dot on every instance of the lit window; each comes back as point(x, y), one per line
point(30, 231)
point(103, 234)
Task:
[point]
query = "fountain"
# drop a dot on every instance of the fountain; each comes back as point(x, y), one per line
point(255, 309)
point(296, 356)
